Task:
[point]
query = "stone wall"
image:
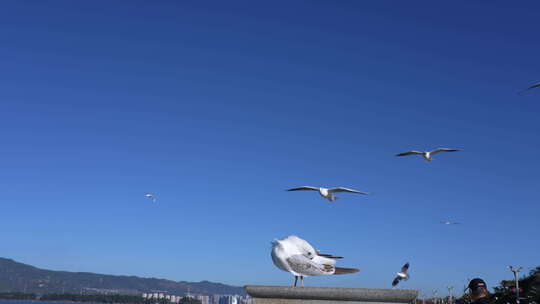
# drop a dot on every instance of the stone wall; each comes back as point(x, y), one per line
point(325, 295)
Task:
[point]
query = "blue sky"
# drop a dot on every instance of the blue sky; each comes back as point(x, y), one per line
point(217, 107)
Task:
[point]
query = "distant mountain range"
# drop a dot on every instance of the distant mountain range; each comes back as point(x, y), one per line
point(20, 277)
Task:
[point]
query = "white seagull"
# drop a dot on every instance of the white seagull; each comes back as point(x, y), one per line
point(449, 223)
point(402, 275)
point(327, 193)
point(150, 196)
point(297, 256)
point(428, 155)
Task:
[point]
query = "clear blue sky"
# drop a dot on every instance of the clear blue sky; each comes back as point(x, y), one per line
point(219, 106)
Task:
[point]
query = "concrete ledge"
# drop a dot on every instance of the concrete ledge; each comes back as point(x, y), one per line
point(321, 295)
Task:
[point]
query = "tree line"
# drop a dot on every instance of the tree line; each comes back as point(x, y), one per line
point(529, 289)
point(505, 292)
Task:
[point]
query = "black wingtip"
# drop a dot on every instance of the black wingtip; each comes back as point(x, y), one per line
point(330, 256)
point(341, 270)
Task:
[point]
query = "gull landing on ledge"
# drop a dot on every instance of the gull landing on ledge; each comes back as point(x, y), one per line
point(327, 193)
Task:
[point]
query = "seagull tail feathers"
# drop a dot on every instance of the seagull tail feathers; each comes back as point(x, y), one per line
point(341, 270)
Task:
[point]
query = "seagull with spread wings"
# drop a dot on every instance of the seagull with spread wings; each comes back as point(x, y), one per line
point(428, 155)
point(402, 275)
point(295, 255)
point(327, 193)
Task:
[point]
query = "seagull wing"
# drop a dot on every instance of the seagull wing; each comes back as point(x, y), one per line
point(303, 188)
point(324, 260)
point(341, 189)
point(304, 246)
point(410, 153)
point(443, 150)
point(310, 252)
point(302, 265)
point(534, 86)
point(396, 281)
point(405, 268)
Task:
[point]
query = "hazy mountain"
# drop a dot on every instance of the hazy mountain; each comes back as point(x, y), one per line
point(16, 276)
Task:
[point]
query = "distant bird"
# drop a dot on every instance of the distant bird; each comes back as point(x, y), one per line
point(150, 196)
point(449, 223)
point(428, 155)
point(402, 275)
point(327, 193)
point(532, 87)
point(295, 255)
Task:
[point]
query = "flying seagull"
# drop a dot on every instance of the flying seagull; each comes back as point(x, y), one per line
point(402, 275)
point(295, 255)
point(150, 196)
point(532, 87)
point(449, 223)
point(327, 193)
point(428, 155)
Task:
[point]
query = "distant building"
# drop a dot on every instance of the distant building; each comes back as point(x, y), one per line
point(229, 299)
point(203, 299)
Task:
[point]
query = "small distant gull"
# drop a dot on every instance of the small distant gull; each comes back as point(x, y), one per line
point(428, 155)
point(295, 255)
point(327, 193)
point(150, 196)
point(449, 223)
point(402, 275)
point(531, 87)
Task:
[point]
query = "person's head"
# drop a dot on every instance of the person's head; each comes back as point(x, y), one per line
point(478, 289)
